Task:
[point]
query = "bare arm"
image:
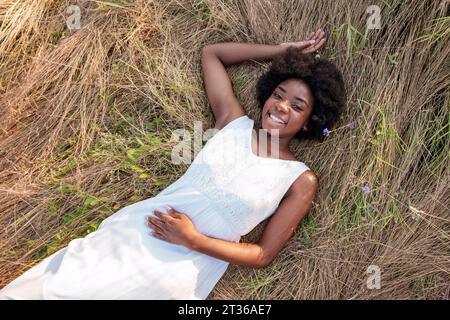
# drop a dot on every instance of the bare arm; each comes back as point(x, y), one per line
point(176, 227)
point(292, 209)
point(216, 57)
point(218, 86)
point(235, 52)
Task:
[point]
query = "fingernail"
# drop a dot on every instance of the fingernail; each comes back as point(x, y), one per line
point(312, 41)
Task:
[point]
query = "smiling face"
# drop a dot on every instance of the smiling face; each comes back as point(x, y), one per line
point(288, 108)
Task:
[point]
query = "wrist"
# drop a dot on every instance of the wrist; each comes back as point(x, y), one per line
point(194, 241)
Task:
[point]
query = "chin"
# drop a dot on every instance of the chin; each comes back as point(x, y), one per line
point(272, 128)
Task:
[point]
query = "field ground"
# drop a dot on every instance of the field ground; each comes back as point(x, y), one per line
point(86, 118)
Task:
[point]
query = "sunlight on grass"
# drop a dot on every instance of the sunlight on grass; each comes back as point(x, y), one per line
point(87, 118)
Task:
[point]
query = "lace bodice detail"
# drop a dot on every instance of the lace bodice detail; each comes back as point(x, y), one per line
point(246, 188)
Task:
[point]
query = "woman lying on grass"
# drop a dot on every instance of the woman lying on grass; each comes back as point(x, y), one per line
point(237, 180)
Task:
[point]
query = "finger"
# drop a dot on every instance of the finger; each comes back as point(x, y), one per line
point(315, 47)
point(159, 232)
point(158, 235)
point(320, 44)
point(306, 44)
point(321, 35)
point(309, 50)
point(156, 229)
point(310, 36)
point(173, 212)
point(161, 215)
point(155, 225)
point(156, 220)
point(316, 35)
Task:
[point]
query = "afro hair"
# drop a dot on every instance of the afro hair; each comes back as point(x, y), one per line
point(322, 77)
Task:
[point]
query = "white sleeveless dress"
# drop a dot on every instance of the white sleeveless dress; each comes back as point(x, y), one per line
point(226, 191)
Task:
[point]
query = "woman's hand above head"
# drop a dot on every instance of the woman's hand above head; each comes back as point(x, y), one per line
point(174, 227)
point(313, 42)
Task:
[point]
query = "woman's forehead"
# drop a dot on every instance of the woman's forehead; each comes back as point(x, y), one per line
point(296, 88)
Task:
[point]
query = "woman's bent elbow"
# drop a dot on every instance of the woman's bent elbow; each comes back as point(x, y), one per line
point(262, 264)
point(263, 260)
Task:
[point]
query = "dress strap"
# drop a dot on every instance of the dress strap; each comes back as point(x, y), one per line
point(232, 129)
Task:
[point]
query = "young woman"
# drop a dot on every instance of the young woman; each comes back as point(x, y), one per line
point(178, 244)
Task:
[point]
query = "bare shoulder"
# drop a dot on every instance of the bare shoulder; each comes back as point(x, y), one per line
point(307, 182)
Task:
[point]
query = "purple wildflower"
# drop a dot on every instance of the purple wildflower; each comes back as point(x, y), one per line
point(370, 208)
point(365, 189)
point(326, 132)
point(351, 125)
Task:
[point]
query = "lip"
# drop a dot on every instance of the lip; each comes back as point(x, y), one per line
point(268, 116)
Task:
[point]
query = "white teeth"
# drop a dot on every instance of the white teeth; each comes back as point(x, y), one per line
point(274, 118)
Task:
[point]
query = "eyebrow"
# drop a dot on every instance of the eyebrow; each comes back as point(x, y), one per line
point(282, 89)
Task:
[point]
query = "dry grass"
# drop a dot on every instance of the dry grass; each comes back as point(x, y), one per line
point(86, 118)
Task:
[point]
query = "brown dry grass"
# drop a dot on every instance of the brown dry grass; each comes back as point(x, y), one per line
point(86, 118)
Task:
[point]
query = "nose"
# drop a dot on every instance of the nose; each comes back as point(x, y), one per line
point(283, 106)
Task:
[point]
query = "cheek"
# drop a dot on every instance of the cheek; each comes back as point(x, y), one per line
point(297, 120)
point(265, 108)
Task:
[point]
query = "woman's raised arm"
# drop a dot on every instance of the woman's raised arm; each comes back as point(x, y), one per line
point(215, 58)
